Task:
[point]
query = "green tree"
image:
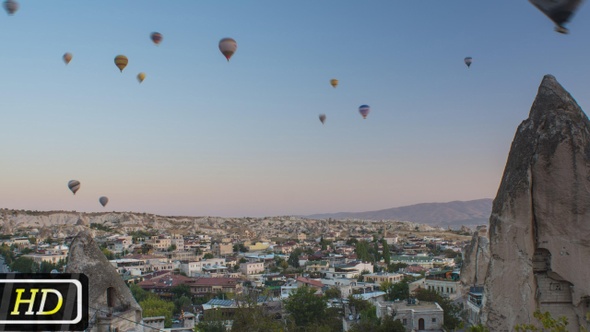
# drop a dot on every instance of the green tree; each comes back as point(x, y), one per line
point(108, 254)
point(47, 267)
point(305, 308)
point(240, 247)
point(548, 323)
point(139, 294)
point(208, 256)
point(394, 267)
point(172, 247)
point(251, 317)
point(293, 259)
point(332, 293)
point(24, 265)
point(478, 328)
point(181, 290)
point(180, 303)
point(213, 323)
point(154, 306)
point(396, 291)
point(362, 251)
point(386, 253)
point(386, 324)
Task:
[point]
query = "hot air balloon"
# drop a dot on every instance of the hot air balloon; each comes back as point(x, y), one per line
point(10, 6)
point(364, 110)
point(67, 58)
point(74, 186)
point(228, 47)
point(559, 12)
point(334, 82)
point(103, 200)
point(121, 62)
point(156, 37)
point(468, 61)
point(322, 118)
point(141, 77)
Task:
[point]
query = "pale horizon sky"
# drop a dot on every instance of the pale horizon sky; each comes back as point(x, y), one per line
point(201, 136)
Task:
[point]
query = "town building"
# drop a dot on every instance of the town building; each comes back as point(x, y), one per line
point(193, 269)
point(473, 304)
point(252, 268)
point(381, 277)
point(415, 315)
point(205, 286)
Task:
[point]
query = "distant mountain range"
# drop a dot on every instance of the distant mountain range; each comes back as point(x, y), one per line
point(453, 214)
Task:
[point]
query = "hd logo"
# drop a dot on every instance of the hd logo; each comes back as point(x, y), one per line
point(47, 302)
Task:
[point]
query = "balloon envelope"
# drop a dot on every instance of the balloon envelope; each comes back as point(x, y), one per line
point(334, 82)
point(10, 6)
point(103, 200)
point(364, 110)
point(141, 77)
point(74, 185)
point(67, 58)
point(228, 47)
point(156, 37)
point(468, 61)
point(322, 118)
point(121, 62)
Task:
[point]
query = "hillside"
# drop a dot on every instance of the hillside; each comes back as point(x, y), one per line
point(453, 214)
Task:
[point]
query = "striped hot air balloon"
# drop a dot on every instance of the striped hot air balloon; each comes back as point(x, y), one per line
point(364, 110)
point(121, 62)
point(156, 37)
point(74, 185)
point(10, 6)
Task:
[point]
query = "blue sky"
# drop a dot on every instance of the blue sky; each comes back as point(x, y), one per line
point(201, 136)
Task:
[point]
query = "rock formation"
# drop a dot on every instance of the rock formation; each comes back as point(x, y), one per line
point(111, 304)
point(476, 259)
point(540, 222)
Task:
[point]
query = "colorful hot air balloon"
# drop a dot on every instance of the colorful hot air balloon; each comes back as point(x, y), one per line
point(559, 12)
point(156, 37)
point(10, 6)
point(74, 185)
point(322, 118)
point(141, 77)
point(67, 58)
point(468, 61)
point(364, 110)
point(103, 200)
point(334, 82)
point(121, 62)
point(228, 47)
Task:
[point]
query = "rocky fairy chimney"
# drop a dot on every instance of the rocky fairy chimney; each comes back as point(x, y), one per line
point(111, 304)
point(540, 223)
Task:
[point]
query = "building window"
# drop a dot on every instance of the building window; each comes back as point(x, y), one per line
point(405, 321)
point(434, 319)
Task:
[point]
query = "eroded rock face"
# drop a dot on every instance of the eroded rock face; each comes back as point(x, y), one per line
point(540, 222)
point(109, 298)
point(476, 259)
